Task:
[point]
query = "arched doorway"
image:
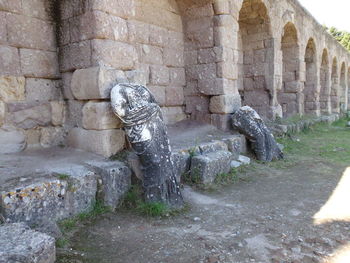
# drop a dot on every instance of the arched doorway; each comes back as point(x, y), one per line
point(310, 87)
point(335, 87)
point(342, 88)
point(255, 42)
point(325, 83)
point(287, 96)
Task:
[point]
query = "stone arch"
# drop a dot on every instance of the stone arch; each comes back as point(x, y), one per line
point(335, 86)
point(342, 87)
point(325, 83)
point(256, 44)
point(288, 95)
point(311, 98)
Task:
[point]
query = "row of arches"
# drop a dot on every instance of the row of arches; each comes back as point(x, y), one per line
point(309, 84)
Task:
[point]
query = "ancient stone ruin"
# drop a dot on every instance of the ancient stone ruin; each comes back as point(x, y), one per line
point(202, 60)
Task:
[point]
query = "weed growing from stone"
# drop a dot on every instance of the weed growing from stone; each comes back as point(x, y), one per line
point(62, 177)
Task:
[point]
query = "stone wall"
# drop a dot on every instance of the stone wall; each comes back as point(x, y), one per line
point(202, 59)
point(31, 106)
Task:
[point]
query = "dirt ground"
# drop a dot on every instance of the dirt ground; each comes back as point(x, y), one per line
point(297, 210)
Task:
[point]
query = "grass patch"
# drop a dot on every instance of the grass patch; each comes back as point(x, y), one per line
point(62, 242)
point(62, 177)
point(133, 201)
point(121, 156)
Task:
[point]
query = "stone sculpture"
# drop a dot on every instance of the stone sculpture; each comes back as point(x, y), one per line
point(143, 124)
point(248, 122)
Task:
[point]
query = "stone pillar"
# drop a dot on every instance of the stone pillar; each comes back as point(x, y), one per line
point(147, 134)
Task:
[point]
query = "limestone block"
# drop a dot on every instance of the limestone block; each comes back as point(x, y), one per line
point(74, 116)
point(150, 54)
point(140, 75)
point(2, 112)
point(75, 56)
point(173, 114)
point(9, 61)
point(221, 121)
point(191, 57)
point(106, 142)
point(3, 29)
point(191, 89)
point(12, 88)
point(120, 8)
point(37, 8)
point(33, 137)
point(197, 104)
point(227, 70)
point(29, 115)
point(217, 86)
point(213, 146)
point(98, 25)
point(14, 6)
point(115, 181)
point(11, 140)
point(201, 72)
point(292, 86)
point(206, 167)
point(53, 195)
point(114, 54)
point(38, 63)
point(18, 243)
point(203, 38)
point(176, 40)
point(94, 83)
point(159, 75)
point(174, 96)
point(52, 136)
point(42, 89)
point(177, 77)
point(159, 94)
point(139, 32)
point(158, 36)
point(234, 144)
point(23, 32)
point(99, 116)
point(206, 56)
point(225, 103)
point(57, 112)
point(221, 7)
point(173, 57)
point(66, 81)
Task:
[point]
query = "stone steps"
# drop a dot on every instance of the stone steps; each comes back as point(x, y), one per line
point(67, 183)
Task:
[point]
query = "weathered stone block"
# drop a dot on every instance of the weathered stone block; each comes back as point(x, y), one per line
point(2, 112)
point(75, 56)
point(106, 142)
point(221, 7)
point(173, 114)
point(74, 116)
point(139, 32)
point(114, 179)
point(95, 83)
point(197, 104)
point(52, 136)
point(38, 63)
point(173, 57)
point(159, 94)
point(150, 54)
point(114, 54)
point(158, 36)
point(23, 32)
point(234, 144)
point(225, 103)
point(174, 96)
point(159, 75)
point(99, 116)
point(57, 112)
point(57, 194)
point(177, 77)
point(18, 243)
point(3, 29)
point(42, 89)
point(29, 115)
point(120, 8)
point(37, 8)
point(11, 140)
point(9, 61)
point(12, 88)
point(207, 167)
point(221, 121)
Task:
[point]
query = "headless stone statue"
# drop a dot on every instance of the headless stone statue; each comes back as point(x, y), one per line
point(147, 134)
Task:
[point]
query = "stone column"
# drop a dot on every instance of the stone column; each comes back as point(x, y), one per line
point(147, 134)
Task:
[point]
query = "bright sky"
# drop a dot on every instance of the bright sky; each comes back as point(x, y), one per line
point(330, 13)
